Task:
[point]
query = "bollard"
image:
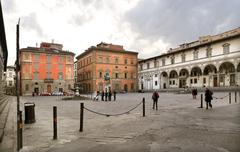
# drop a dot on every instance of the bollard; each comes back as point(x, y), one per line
point(20, 130)
point(201, 106)
point(81, 117)
point(235, 96)
point(54, 122)
point(143, 107)
point(229, 97)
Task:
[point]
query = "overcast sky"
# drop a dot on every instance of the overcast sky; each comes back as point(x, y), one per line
point(149, 27)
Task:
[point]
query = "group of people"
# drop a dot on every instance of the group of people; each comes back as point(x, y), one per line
point(105, 95)
point(208, 98)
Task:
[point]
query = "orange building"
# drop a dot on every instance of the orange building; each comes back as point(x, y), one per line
point(107, 66)
point(46, 69)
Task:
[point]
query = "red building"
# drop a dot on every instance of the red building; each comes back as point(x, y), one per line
point(46, 69)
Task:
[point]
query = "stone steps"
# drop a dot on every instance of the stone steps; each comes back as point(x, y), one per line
point(4, 111)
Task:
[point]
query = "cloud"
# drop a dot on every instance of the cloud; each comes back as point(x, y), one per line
point(179, 21)
point(9, 6)
point(30, 23)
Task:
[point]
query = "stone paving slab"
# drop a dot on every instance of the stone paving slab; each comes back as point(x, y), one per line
point(178, 125)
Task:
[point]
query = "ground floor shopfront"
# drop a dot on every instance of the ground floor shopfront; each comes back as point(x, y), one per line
point(222, 73)
point(45, 86)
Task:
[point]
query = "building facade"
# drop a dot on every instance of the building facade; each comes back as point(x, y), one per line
point(10, 80)
point(46, 69)
point(107, 66)
point(211, 61)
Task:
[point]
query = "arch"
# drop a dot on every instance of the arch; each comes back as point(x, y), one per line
point(164, 74)
point(210, 68)
point(173, 74)
point(226, 67)
point(183, 73)
point(238, 67)
point(196, 71)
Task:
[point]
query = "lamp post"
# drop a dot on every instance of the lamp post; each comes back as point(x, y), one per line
point(19, 125)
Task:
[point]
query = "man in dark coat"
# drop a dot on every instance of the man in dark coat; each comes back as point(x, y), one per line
point(102, 94)
point(208, 98)
point(109, 95)
point(155, 97)
point(106, 95)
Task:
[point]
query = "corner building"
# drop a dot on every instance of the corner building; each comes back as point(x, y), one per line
point(211, 61)
point(107, 60)
point(46, 69)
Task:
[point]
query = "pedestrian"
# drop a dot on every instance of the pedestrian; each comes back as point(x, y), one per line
point(155, 97)
point(208, 98)
point(106, 95)
point(114, 95)
point(102, 94)
point(109, 95)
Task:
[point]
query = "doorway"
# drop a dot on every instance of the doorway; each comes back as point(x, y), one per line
point(49, 88)
point(215, 81)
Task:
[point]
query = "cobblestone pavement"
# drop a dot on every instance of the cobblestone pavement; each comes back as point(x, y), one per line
point(178, 125)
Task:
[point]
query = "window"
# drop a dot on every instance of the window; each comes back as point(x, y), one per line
point(204, 80)
point(35, 75)
point(36, 66)
point(116, 60)
point(69, 58)
point(195, 80)
point(100, 59)
point(49, 58)
point(141, 67)
point(36, 57)
point(60, 75)
point(156, 83)
point(170, 82)
point(226, 48)
point(156, 75)
point(191, 81)
point(183, 57)
point(26, 87)
point(116, 75)
point(173, 82)
point(195, 54)
point(172, 60)
point(26, 56)
point(125, 75)
point(148, 65)
point(208, 52)
point(10, 83)
point(107, 59)
point(163, 62)
point(49, 74)
point(48, 67)
point(156, 64)
point(126, 61)
point(100, 74)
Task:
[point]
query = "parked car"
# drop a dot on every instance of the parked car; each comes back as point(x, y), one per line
point(45, 94)
point(57, 93)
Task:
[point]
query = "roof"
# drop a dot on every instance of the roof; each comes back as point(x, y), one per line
point(46, 50)
point(99, 48)
point(3, 38)
point(203, 41)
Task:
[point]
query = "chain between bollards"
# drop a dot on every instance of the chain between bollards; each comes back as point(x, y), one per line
point(54, 122)
point(143, 107)
point(81, 117)
point(229, 97)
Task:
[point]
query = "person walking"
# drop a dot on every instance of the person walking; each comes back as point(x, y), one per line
point(114, 95)
point(208, 98)
point(155, 97)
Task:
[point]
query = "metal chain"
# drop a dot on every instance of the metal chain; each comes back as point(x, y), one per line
point(220, 97)
point(108, 115)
